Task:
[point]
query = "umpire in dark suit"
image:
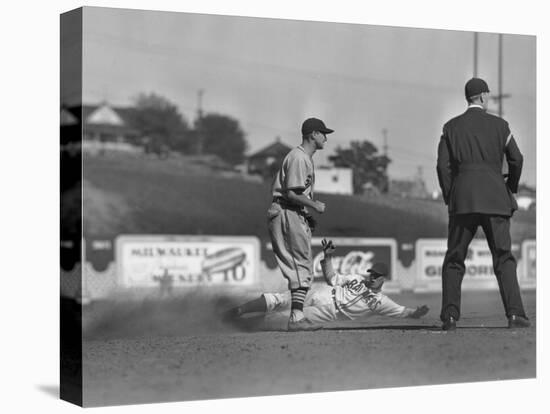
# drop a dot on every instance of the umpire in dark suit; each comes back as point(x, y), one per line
point(469, 168)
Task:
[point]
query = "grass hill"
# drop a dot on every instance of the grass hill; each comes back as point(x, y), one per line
point(138, 195)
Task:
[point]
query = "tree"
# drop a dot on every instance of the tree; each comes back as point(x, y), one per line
point(221, 135)
point(367, 166)
point(161, 123)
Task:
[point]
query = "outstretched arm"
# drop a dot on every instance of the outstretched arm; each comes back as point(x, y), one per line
point(387, 307)
point(326, 262)
point(417, 313)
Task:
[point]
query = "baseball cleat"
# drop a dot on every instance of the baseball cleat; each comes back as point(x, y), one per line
point(449, 324)
point(232, 313)
point(515, 321)
point(303, 325)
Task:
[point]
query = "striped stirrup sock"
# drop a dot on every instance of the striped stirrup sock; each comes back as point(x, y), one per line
point(298, 297)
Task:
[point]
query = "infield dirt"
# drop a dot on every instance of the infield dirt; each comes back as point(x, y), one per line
point(179, 350)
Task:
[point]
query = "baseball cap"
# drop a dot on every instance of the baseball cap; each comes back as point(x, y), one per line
point(475, 86)
point(379, 269)
point(314, 124)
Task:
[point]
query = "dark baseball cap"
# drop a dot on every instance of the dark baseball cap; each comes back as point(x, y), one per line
point(475, 86)
point(314, 124)
point(378, 269)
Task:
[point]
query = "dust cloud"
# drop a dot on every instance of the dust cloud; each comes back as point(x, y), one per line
point(193, 313)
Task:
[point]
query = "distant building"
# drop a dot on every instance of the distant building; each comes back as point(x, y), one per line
point(103, 122)
point(267, 161)
point(526, 197)
point(334, 180)
point(413, 188)
point(105, 127)
point(108, 123)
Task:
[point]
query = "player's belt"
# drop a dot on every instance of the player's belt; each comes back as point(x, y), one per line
point(479, 166)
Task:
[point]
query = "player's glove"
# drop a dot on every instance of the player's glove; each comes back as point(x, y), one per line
point(419, 312)
point(311, 222)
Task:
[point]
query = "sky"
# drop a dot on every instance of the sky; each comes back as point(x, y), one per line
point(271, 74)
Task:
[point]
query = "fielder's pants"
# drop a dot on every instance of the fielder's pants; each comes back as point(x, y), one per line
point(462, 229)
point(291, 241)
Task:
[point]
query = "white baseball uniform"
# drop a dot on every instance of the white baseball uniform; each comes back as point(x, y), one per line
point(346, 298)
point(289, 232)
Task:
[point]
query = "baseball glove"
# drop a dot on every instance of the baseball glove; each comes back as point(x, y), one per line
point(311, 222)
point(420, 311)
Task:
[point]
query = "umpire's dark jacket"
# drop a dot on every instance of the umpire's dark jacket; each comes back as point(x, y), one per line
point(469, 164)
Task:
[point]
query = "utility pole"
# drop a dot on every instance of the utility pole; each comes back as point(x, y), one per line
point(385, 140)
point(498, 98)
point(198, 122)
point(386, 182)
point(475, 53)
point(200, 94)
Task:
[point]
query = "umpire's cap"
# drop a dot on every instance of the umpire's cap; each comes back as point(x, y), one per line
point(378, 269)
point(314, 124)
point(475, 86)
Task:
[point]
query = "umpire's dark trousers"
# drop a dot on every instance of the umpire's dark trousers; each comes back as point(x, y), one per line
point(462, 229)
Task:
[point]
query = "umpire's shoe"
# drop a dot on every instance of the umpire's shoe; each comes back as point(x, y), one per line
point(449, 324)
point(303, 325)
point(515, 321)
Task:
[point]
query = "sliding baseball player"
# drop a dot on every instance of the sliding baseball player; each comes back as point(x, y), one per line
point(345, 297)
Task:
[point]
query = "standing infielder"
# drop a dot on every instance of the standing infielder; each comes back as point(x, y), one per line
point(469, 168)
point(345, 297)
point(289, 222)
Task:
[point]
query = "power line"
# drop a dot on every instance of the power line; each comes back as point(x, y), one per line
point(164, 50)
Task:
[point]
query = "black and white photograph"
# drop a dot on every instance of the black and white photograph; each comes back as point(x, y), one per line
point(293, 206)
point(262, 195)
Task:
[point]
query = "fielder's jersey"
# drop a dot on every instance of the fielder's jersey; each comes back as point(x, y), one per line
point(354, 299)
point(296, 173)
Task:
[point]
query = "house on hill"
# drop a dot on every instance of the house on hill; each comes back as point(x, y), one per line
point(267, 161)
point(105, 126)
point(108, 123)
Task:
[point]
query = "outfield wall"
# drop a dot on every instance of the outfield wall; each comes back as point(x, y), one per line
point(146, 265)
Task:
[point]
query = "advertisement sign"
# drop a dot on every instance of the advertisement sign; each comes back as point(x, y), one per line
point(187, 261)
point(479, 264)
point(356, 255)
point(431, 252)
